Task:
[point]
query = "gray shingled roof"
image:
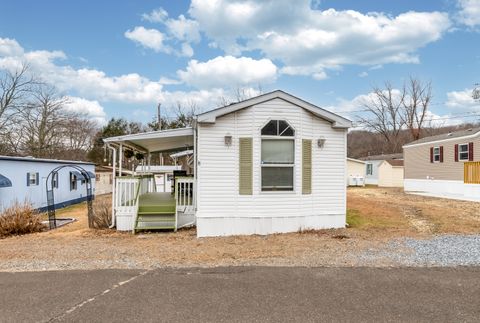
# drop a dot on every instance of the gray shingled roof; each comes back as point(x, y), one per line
point(456, 134)
point(383, 157)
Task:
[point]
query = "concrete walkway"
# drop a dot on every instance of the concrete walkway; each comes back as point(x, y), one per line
point(243, 294)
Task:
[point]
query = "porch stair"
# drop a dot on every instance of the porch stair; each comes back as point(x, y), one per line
point(156, 211)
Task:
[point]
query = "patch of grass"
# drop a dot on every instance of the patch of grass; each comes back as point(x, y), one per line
point(354, 218)
point(20, 219)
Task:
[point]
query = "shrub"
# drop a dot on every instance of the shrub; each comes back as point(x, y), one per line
point(102, 213)
point(20, 219)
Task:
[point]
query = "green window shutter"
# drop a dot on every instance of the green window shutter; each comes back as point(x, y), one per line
point(246, 166)
point(306, 166)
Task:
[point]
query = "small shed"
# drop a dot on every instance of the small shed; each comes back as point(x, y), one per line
point(391, 173)
point(356, 172)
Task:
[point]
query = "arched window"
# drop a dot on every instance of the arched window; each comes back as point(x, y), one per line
point(278, 156)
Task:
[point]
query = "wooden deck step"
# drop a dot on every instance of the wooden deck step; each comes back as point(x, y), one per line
point(156, 211)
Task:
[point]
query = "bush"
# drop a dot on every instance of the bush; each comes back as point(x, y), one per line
point(102, 213)
point(20, 219)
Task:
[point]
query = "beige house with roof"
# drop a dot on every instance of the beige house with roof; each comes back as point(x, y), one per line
point(446, 165)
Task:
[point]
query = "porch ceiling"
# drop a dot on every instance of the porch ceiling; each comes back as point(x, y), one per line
point(156, 140)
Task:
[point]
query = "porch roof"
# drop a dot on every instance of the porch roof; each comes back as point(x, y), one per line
point(156, 140)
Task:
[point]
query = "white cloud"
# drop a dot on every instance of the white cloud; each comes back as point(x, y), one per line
point(462, 100)
point(91, 109)
point(181, 30)
point(301, 37)
point(148, 38)
point(225, 71)
point(363, 74)
point(157, 15)
point(88, 83)
point(469, 13)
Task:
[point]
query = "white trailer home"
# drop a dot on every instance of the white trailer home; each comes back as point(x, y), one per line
point(23, 179)
point(272, 163)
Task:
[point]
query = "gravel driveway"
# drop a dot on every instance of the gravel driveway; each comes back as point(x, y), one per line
point(439, 251)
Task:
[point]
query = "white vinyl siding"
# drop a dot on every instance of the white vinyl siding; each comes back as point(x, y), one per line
point(218, 168)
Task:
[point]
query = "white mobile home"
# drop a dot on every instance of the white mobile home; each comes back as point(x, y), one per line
point(355, 172)
point(23, 179)
point(273, 163)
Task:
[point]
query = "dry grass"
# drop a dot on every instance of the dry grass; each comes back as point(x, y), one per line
point(375, 216)
point(20, 219)
point(390, 211)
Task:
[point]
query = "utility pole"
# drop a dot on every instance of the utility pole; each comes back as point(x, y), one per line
point(476, 92)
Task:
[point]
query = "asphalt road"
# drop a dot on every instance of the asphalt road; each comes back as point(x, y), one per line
point(243, 294)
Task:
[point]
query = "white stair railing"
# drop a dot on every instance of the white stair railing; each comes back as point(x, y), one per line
point(127, 193)
point(184, 199)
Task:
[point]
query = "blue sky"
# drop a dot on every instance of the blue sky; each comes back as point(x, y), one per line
point(119, 58)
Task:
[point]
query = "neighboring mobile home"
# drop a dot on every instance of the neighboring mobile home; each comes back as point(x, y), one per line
point(446, 165)
point(356, 172)
point(103, 180)
point(272, 163)
point(23, 179)
point(373, 162)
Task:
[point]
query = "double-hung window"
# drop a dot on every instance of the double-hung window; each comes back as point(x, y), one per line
point(463, 152)
point(278, 156)
point(32, 179)
point(436, 154)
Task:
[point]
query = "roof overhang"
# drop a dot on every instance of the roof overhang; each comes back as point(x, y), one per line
point(155, 140)
point(336, 120)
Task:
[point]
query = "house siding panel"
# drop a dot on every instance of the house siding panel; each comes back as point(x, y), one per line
point(418, 166)
point(218, 171)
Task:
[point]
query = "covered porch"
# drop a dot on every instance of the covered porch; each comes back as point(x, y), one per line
point(136, 203)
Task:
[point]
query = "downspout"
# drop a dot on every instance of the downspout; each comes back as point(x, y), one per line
point(114, 162)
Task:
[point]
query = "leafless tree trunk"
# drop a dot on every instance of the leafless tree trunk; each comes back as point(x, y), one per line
point(416, 100)
point(386, 107)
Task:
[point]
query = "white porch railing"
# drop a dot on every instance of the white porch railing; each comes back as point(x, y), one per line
point(127, 192)
point(185, 201)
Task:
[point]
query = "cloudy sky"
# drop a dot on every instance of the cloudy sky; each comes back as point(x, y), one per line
point(120, 58)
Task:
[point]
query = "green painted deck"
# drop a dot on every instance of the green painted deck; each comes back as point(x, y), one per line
point(158, 203)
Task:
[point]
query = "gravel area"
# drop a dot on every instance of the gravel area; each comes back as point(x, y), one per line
point(438, 251)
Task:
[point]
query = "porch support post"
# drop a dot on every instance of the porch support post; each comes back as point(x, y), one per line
point(149, 161)
point(194, 166)
point(114, 186)
point(120, 158)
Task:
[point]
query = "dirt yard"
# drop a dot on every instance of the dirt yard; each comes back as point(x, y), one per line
point(375, 216)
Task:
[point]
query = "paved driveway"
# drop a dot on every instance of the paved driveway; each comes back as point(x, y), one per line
point(245, 294)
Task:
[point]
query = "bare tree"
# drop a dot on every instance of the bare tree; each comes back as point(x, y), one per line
point(44, 122)
point(78, 136)
point(416, 101)
point(386, 107)
point(15, 89)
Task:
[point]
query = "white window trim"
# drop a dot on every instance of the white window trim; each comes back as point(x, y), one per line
point(460, 152)
point(293, 166)
point(436, 161)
